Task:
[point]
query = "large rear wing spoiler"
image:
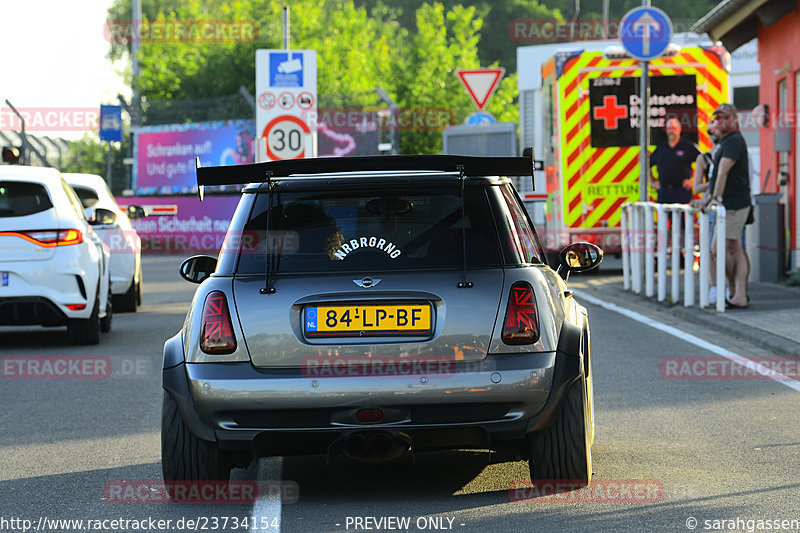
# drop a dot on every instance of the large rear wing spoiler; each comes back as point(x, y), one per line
point(468, 165)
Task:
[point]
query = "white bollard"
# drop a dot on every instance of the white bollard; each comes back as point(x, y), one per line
point(661, 242)
point(626, 260)
point(721, 278)
point(704, 258)
point(649, 280)
point(636, 253)
point(676, 253)
point(688, 260)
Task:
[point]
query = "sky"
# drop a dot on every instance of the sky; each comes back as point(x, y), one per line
point(54, 54)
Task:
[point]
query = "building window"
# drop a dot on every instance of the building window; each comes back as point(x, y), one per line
point(745, 97)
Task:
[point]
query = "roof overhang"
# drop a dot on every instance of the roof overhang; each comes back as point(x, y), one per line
point(735, 22)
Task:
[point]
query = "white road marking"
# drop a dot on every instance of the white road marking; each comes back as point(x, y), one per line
point(697, 341)
point(268, 504)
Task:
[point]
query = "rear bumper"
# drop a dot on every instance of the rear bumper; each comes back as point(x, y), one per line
point(30, 311)
point(281, 412)
point(70, 277)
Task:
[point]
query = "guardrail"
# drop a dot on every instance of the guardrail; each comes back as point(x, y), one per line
point(642, 243)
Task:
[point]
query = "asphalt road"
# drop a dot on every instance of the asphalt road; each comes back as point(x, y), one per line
point(714, 449)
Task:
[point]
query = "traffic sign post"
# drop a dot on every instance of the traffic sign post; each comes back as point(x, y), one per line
point(110, 130)
point(645, 33)
point(286, 115)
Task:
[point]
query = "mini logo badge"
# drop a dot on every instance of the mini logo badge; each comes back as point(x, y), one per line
point(366, 283)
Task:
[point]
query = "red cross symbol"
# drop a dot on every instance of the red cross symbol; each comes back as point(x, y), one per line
point(610, 112)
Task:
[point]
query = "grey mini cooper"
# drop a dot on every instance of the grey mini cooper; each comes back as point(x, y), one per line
point(373, 307)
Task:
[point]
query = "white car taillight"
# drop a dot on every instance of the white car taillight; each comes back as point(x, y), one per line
point(522, 324)
point(48, 238)
point(217, 334)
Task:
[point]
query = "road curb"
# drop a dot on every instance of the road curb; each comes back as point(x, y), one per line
point(759, 337)
point(706, 318)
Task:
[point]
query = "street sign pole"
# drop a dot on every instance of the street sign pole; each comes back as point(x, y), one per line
point(645, 34)
point(108, 165)
point(644, 130)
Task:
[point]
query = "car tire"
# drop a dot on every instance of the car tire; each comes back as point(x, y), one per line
point(184, 457)
point(562, 451)
point(105, 323)
point(86, 331)
point(126, 303)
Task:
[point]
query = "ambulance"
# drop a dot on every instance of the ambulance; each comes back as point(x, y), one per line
point(591, 131)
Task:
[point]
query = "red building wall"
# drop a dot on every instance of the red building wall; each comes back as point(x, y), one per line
point(779, 56)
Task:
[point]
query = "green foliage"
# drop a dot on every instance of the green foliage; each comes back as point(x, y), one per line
point(88, 155)
point(496, 44)
point(411, 49)
point(793, 280)
point(357, 51)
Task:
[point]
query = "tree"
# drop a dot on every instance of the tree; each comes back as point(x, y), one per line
point(88, 156)
point(357, 51)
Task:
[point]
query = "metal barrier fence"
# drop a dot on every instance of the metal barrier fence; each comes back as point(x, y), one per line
point(641, 243)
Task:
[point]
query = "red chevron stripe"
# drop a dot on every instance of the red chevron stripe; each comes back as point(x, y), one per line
point(575, 153)
point(611, 162)
point(571, 111)
point(584, 168)
point(574, 203)
point(625, 171)
point(715, 82)
point(610, 211)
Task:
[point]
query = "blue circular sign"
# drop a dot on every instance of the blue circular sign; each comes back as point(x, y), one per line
point(480, 118)
point(645, 32)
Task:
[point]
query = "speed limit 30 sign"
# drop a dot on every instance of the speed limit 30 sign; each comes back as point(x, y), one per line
point(286, 119)
point(286, 137)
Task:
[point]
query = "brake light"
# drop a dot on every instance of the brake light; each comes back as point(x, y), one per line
point(48, 238)
point(521, 325)
point(69, 236)
point(76, 307)
point(217, 333)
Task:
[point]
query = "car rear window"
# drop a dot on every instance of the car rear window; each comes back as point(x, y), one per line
point(87, 196)
point(390, 228)
point(20, 198)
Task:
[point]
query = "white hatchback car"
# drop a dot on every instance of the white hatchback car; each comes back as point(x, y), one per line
point(54, 269)
point(116, 230)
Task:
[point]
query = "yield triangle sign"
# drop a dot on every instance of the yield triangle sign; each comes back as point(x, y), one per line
point(481, 83)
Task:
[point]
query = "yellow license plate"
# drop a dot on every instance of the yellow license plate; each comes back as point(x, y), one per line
point(367, 320)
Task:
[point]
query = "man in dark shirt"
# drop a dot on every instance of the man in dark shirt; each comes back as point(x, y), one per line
point(673, 158)
point(730, 186)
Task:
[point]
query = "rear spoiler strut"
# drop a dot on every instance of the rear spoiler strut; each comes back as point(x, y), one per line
point(263, 172)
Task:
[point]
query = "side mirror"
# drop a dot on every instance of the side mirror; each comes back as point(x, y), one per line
point(135, 211)
point(579, 257)
point(197, 268)
point(102, 217)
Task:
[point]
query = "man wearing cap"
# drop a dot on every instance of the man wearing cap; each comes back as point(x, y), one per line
point(729, 186)
point(673, 158)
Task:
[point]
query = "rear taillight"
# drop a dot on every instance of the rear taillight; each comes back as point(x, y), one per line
point(521, 325)
point(217, 333)
point(76, 307)
point(48, 238)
